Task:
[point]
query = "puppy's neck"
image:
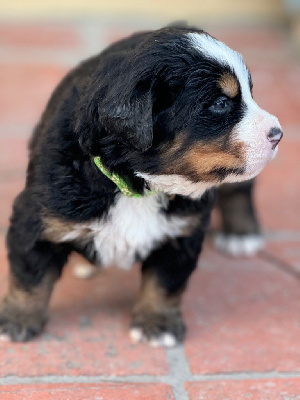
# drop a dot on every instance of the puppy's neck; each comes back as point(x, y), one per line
point(123, 184)
point(176, 185)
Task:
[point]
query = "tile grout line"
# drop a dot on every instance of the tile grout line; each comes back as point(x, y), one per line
point(268, 236)
point(279, 264)
point(244, 376)
point(281, 235)
point(53, 379)
point(176, 359)
point(180, 373)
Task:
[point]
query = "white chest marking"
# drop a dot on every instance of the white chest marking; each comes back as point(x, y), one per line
point(133, 226)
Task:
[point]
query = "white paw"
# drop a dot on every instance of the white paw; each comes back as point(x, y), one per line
point(5, 338)
point(239, 245)
point(84, 271)
point(163, 340)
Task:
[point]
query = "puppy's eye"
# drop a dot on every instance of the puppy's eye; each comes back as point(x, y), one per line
point(221, 105)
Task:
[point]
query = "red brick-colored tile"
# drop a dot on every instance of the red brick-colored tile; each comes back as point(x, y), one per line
point(286, 252)
point(77, 391)
point(259, 47)
point(87, 333)
point(13, 154)
point(242, 315)
point(13, 164)
point(10, 187)
point(278, 189)
point(38, 35)
point(276, 89)
point(25, 90)
point(272, 389)
point(243, 39)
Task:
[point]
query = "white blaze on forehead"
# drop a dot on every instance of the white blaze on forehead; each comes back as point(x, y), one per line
point(224, 55)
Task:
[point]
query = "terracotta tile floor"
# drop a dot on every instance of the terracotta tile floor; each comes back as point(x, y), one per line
point(243, 315)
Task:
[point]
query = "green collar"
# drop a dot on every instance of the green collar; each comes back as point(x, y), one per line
point(122, 184)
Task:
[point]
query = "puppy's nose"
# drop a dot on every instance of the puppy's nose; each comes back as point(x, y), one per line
point(274, 136)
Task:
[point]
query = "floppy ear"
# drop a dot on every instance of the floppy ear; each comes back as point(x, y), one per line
point(129, 116)
point(121, 111)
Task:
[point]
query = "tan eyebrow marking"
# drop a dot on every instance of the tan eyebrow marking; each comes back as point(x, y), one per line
point(229, 85)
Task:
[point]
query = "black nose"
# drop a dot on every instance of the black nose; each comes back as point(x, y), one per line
point(274, 136)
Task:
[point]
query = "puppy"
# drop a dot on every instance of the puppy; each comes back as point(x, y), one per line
point(123, 166)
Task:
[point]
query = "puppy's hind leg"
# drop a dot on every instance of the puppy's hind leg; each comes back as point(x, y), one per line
point(241, 234)
point(35, 265)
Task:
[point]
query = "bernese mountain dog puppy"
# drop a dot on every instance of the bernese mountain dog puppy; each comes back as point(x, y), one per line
point(123, 168)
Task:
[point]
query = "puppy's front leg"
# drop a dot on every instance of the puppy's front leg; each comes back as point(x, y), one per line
point(23, 311)
point(157, 316)
point(35, 265)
